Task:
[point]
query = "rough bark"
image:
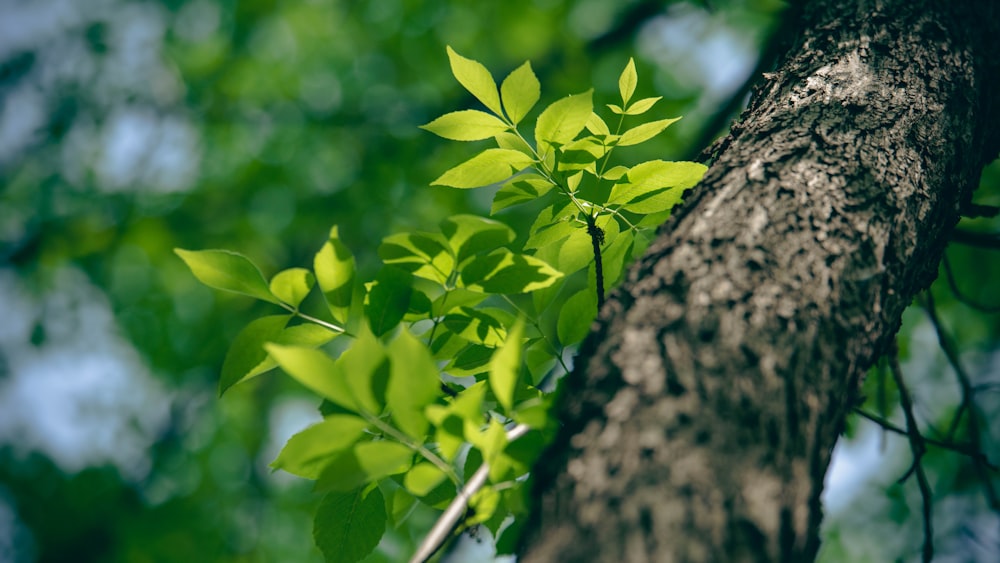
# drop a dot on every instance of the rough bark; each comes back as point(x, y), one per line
point(699, 422)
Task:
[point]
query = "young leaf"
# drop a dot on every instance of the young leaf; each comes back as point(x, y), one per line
point(423, 255)
point(228, 271)
point(388, 299)
point(627, 81)
point(413, 383)
point(644, 132)
point(307, 452)
point(246, 357)
point(642, 106)
point(315, 370)
point(488, 167)
point(366, 370)
point(292, 285)
point(597, 126)
point(560, 122)
point(453, 299)
point(508, 140)
point(334, 267)
point(575, 317)
point(520, 92)
point(521, 188)
point(472, 360)
point(505, 367)
point(505, 272)
point(476, 79)
point(422, 478)
point(476, 326)
point(349, 525)
point(654, 176)
point(470, 234)
point(383, 458)
point(466, 125)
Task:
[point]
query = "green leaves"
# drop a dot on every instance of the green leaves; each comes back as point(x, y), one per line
point(228, 271)
point(447, 303)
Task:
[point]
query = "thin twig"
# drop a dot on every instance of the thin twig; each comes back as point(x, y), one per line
point(918, 448)
point(968, 403)
point(961, 297)
point(450, 517)
point(963, 449)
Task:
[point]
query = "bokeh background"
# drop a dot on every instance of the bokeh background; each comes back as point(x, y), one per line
point(129, 128)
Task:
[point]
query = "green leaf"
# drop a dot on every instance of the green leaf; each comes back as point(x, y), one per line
point(470, 234)
point(388, 299)
point(508, 140)
point(307, 452)
point(476, 326)
point(472, 360)
point(482, 505)
point(246, 357)
point(615, 173)
point(615, 108)
point(476, 79)
point(422, 478)
point(575, 252)
point(627, 81)
point(228, 271)
point(596, 125)
point(520, 189)
point(486, 168)
point(366, 370)
point(560, 122)
point(453, 299)
point(335, 270)
point(414, 383)
point(423, 255)
point(505, 366)
point(505, 272)
point(520, 92)
point(383, 458)
point(642, 106)
point(644, 132)
point(315, 370)
point(307, 334)
point(292, 285)
point(575, 317)
point(653, 178)
point(348, 526)
point(466, 125)
point(613, 257)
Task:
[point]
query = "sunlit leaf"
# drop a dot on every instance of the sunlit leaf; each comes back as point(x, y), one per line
point(520, 189)
point(453, 299)
point(292, 285)
point(642, 106)
point(627, 81)
point(466, 125)
point(307, 452)
point(423, 255)
point(365, 368)
point(644, 132)
point(335, 270)
point(505, 272)
point(470, 234)
point(520, 92)
point(422, 478)
point(315, 370)
point(476, 79)
point(653, 177)
point(488, 167)
point(596, 125)
point(505, 366)
point(228, 271)
point(413, 383)
point(564, 119)
point(349, 525)
point(476, 326)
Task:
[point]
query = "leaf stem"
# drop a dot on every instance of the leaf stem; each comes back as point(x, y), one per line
point(430, 456)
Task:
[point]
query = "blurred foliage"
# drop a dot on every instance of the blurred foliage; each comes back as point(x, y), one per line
point(132, 127)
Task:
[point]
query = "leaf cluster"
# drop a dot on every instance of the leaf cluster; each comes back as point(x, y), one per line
point(453, 340)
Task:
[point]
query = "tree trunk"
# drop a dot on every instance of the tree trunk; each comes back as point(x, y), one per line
point(699, 421)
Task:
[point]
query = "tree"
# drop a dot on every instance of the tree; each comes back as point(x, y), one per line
point(699, 421)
